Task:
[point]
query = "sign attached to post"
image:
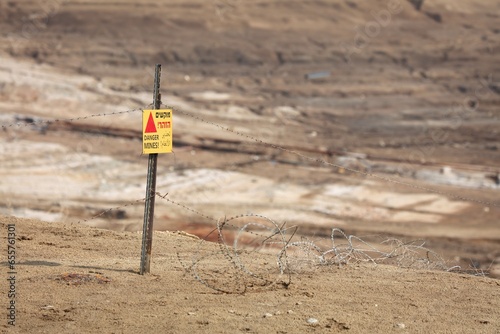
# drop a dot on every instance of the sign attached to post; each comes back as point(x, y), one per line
point(157, 131)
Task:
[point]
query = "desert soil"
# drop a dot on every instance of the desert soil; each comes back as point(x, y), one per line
point(81, 279)
point(397, 140)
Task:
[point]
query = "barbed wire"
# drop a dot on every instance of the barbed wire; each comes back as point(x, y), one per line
point(185, 207)
point(265, 143)
point(104, 212)
point(324, 162)
point(234, 268)
point(173, 202)
point(31, 120)
point(199, 213)
point(262, 142)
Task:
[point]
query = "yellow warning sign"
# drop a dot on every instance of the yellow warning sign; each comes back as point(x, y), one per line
point(157, 131)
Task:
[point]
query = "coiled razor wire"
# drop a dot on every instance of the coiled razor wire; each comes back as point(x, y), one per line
point(255, 252)
point(235, 268)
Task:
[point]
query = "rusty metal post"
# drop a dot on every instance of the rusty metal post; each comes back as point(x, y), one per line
point(149, 206)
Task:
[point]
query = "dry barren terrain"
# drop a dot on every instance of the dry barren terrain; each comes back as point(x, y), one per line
point(59, 290)
point(378, 117)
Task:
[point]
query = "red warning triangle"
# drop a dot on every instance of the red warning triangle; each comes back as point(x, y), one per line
point(150, 127)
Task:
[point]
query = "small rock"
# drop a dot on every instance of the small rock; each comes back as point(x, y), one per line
point(268, 315)
point(289, 312)
point(312, 321)
point(191, 313)
point(446, 170)
point(277, 313)
point(400, 326)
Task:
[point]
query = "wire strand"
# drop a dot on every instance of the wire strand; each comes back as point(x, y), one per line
point(74, 119)
point(324, 162)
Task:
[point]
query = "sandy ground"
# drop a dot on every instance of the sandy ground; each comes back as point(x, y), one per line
point(411, 96)
point(59, 290)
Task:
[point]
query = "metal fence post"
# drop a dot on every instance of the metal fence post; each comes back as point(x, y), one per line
point(149, 206)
